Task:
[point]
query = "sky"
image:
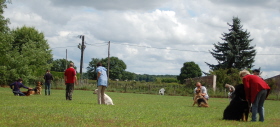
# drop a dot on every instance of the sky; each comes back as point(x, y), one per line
point(153, 37)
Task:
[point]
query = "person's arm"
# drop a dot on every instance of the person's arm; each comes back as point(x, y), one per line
point(76, 81)
point(25, 87)
point(51, 77)
point(233, 89)
point(230, 89)
point(194, 93)
point(204, 91)
point(98, 75)
point(12, 85)
point(65, 79)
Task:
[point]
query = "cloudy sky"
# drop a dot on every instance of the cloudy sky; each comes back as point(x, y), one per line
point(151, 36)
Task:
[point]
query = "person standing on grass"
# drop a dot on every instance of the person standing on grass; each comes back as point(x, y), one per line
point(48, 77)
point(101, 82)
point(70, 79)
point(16, 87)
point(256, 90)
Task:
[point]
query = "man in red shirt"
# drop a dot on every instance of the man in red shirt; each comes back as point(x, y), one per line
point(70, 78)
point(256, 90)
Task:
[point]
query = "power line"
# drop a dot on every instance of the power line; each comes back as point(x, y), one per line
point(268, 54)
point(153, 47)
point(176, 49)
point(106, 43)
point(63, 47)
point(96, 44)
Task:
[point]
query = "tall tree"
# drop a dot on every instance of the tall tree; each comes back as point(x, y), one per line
point(60, 65)
point(235, 51)
point(128, 75)
point(189, 70)
point(32, 54)
point(223, 77)
point(92, 67)
point(3, 21)
point(5, 46)
point(117, 67)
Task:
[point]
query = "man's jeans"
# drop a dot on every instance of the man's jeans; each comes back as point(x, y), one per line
point(18, 93)
point(257, 106)
point(47, 88)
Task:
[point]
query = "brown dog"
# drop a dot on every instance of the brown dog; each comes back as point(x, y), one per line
point(199, 99)
point(29, 92)
point(38, 88)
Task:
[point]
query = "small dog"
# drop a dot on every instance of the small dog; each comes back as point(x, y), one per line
point(29, 92)
point(202, 102)
point(239, 108)
point(108, 100)
point(161, 91)
point(38, 88)
point(199, 99)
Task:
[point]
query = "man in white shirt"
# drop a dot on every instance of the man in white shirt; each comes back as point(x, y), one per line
point(202, 89)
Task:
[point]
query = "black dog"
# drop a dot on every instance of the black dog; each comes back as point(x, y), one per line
point(238, 109)
point(202, 102)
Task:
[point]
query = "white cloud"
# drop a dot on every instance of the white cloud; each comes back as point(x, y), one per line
point(151, 36)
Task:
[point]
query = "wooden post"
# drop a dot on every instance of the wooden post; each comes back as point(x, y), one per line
point(108, 62)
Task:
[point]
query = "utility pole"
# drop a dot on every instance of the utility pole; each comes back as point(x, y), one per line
point(82, 47)
point(66, 60)
point(108, 61)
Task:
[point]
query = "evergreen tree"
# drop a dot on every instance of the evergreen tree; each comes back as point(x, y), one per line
point(235, 51)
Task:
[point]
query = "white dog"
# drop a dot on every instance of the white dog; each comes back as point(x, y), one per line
point(108, 100)
point(161, 91)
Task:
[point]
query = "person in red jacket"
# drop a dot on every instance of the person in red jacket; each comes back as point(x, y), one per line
point(70, 78)
point(256, 90)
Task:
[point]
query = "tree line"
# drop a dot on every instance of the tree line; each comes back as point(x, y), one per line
point(117, 71)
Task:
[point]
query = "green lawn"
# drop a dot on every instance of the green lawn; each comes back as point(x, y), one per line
point(129, 110)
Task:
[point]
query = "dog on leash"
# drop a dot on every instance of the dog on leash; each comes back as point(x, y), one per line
point(108, 100)
point(199, 99)
point(38, 88)
point(239, 108)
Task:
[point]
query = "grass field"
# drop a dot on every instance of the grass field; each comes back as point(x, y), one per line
point(138, 110)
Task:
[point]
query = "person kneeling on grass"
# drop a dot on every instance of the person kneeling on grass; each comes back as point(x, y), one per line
point(16, 87)
point(203, 90)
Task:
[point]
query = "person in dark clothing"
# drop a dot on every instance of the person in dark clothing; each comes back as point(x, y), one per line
point(16, 87)
point(48, 77)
